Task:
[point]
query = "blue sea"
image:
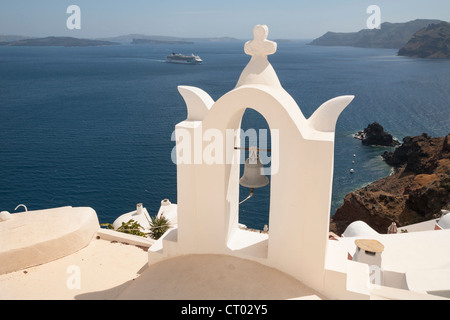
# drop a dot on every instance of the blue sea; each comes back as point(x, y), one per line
point(92, 126)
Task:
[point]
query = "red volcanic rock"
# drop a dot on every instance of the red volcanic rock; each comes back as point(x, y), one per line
point(374, 135)
point(416, 192)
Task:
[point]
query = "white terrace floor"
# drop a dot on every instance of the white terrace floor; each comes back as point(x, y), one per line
point(112, 270)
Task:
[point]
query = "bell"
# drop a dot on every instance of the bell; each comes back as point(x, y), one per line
point(252, 177)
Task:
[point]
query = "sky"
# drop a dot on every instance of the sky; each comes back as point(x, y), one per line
point(288, 19)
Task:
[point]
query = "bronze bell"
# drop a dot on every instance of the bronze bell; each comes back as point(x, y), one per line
point(253, 177)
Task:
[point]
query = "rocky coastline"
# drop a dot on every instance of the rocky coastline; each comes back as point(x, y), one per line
point(374, 135)
point(417, 191)
point(431, 42)
point(390, 35)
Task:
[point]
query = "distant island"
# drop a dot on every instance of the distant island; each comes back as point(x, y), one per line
point(432, 41)
point(135, 39)
point(389, 36)
point(11, 38)
point(56, 42)
point(130, 38)
point(153, 41)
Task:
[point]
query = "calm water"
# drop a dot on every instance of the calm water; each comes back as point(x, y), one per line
point(92, 126)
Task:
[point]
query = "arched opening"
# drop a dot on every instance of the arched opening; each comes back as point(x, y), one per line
point(254, 212)
point(219, 211)
point(255, 132)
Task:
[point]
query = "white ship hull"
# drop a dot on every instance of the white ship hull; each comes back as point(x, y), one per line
point(182, 59)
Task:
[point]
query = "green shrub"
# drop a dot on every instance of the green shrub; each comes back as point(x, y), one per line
point(158, 227)
point(132, 227)
point(107, 225)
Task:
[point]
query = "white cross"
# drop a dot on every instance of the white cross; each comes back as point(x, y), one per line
point(260, 46)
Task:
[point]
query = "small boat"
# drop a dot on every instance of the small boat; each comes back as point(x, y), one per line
point(183, 59)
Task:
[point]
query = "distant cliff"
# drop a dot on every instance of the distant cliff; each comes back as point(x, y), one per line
point(417, 190)
point(57, 42)
point(390, 35)
point(432, 41)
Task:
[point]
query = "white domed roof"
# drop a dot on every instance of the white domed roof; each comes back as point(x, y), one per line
point(359, 228)
point(444, 221)
point(5, 215)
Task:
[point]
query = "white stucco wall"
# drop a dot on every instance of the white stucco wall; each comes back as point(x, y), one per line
point(300, 191)
point(36, 237)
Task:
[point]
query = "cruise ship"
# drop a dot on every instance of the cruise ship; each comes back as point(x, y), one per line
point(180, 58)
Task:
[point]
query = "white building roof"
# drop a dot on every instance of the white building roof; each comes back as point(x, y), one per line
point(444, 221)
point(359, 228)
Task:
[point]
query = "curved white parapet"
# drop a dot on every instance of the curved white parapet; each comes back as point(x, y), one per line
point(325, 117)
point(37, 237)
point(198, 102)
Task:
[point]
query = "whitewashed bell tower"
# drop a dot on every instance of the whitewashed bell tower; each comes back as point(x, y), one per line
point(208, 173)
